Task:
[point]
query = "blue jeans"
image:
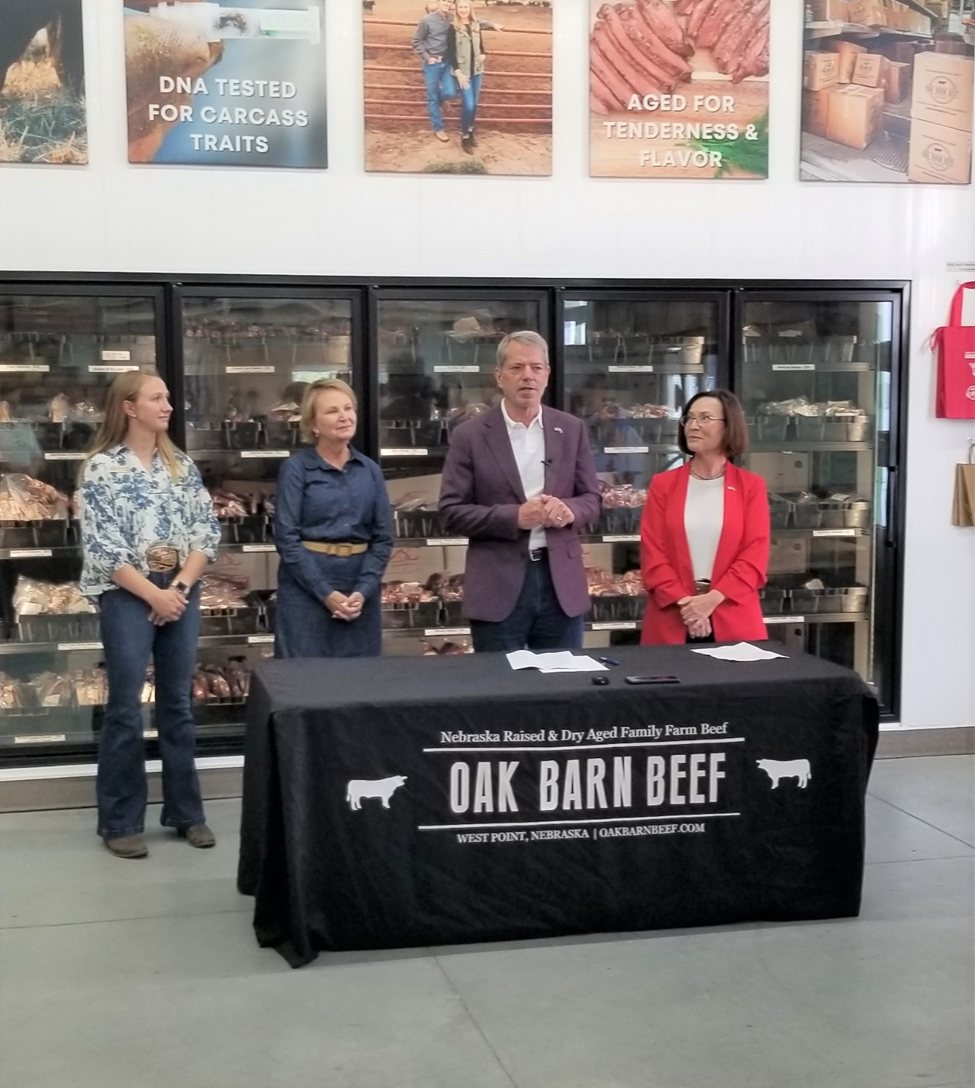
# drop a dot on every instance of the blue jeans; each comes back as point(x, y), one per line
point(130, 640)
point(468, 103)
point(536, 622)
point(440, 86)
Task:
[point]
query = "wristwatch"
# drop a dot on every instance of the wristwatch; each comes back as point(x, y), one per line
point(181, 587)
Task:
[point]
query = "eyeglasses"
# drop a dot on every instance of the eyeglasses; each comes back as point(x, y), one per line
point(704, 420)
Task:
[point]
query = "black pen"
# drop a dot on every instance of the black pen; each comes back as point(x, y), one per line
point(607, 660)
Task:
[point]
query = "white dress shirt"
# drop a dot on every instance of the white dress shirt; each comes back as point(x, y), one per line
point(703, 522)
point(528, 446)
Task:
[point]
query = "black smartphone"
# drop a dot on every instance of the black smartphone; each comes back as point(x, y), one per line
point(652, 680)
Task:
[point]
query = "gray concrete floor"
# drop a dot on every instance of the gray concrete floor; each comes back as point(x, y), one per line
point(147, 975)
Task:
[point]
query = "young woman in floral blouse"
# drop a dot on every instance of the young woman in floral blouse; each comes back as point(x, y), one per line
point(148, 532)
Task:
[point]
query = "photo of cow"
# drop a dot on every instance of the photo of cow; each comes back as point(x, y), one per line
point(42, 82)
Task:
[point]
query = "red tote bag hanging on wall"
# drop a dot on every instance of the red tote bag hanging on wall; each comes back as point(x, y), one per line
point(955, 344)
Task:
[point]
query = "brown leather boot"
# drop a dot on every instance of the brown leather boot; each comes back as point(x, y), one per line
point(199, 835)
point(127, 846)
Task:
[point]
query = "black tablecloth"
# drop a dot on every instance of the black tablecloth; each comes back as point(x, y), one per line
point(416, 801)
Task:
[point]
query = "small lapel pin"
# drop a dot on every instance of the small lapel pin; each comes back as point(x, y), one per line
point(559, 429)
point(730, 488)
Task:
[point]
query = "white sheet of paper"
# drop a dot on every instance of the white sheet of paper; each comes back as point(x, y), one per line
point(741, 651)
point(560, 661)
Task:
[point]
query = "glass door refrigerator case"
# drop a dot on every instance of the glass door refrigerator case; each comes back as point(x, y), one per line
point(435, 360)
point(816, 375)
point(630, 362)
point(59, 349)
point(247, 357)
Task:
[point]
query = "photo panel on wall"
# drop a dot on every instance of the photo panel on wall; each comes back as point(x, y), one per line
point(42, 82)
point(226, 85)
point(457, 87)
point(887, 91)
point(679, 89)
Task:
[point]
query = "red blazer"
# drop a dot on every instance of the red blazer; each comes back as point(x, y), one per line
point(740, 565)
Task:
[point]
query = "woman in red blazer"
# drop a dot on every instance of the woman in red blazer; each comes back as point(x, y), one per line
point(704, 539)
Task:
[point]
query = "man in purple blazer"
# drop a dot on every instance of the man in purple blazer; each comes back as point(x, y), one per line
point(519, 482)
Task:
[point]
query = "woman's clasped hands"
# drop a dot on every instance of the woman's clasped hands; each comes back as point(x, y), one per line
point(167, 606)
point(342, 607)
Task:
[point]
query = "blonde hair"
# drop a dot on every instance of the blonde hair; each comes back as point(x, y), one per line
point(115, 423)
point(309, 403)
point(472, 18)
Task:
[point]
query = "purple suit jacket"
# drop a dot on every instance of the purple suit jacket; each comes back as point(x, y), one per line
point(479, 499)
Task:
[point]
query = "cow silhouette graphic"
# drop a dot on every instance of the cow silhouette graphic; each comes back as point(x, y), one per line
point(383, 788)
point(776, 769)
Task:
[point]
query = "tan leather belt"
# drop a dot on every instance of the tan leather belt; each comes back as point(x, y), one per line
point(341, 550)
point(161, 558)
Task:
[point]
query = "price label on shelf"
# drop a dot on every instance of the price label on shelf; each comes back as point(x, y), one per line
point(257, 547)
point(79, 645)
point(249, 370)
point(42, 738)
point(120, 355)
point(631, 369)
point(631, 538)
point(446, 541)
point(30, 553)
point(73, 455)
point(783, 619)
point(457, 370)
point(434, 632)
point(260, 640)
point(834, 532)
point(25, 368)
point(627, 449)
point(408, 451)
point(793, 366)
point(112, 368)
point(615, 625)
point(252, 454)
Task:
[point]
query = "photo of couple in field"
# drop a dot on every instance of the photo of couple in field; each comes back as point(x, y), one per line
point(42, 82)
point(458, 87)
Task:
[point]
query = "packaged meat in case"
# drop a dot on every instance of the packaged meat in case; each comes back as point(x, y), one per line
point(52, 611)
point(622, 509)
point(409, 604)
point(90, 686)
point(615, 596)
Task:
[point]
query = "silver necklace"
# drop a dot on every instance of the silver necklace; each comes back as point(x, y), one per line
point(699, 476)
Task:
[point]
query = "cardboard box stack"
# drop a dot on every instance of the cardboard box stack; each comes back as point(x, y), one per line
point(844, 101)
point(941, 118)
point(889, 13)
point(848, 53)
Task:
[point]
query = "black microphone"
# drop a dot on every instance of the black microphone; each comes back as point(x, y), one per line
point(547, 461)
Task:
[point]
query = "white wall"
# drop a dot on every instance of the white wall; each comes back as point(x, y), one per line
point(113, 217)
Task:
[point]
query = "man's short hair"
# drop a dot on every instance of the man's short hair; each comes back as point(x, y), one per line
point(526, 337)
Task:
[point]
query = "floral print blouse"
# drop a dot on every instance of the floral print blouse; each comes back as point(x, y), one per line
point(125, 509)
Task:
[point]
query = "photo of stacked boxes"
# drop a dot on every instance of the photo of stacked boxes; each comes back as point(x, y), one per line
point(887, 92)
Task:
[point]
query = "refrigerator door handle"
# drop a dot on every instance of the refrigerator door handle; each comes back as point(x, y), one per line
point(890, 530)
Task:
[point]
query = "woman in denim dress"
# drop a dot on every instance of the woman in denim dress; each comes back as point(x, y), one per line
point(334, 533)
